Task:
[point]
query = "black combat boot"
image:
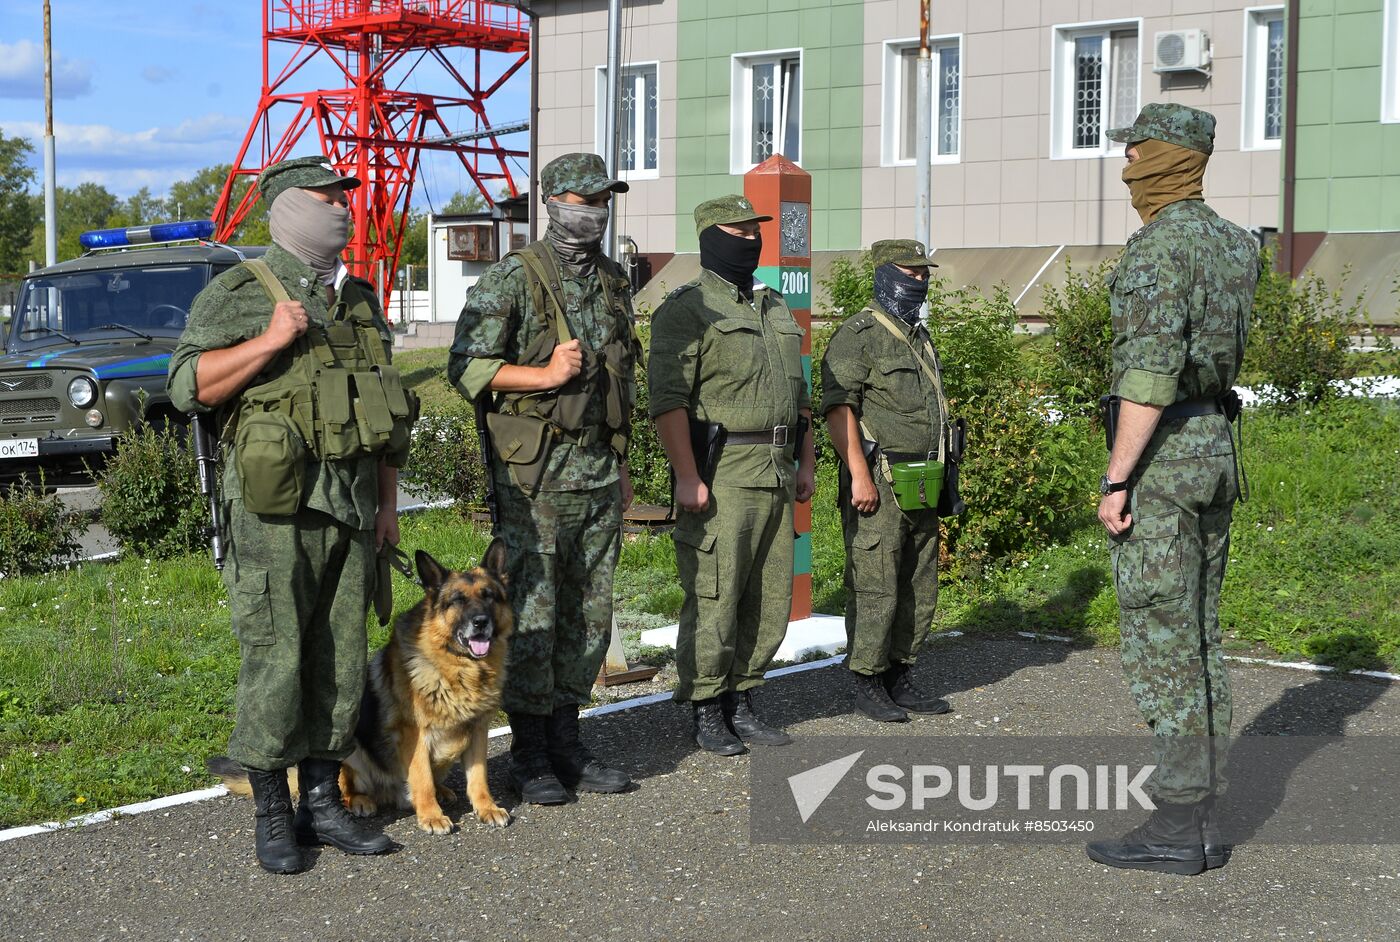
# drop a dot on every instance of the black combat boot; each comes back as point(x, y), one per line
point(1167, 842)
point(1216, 851)
point(738, 710)
point(874, 701)
point(273, 837)
point(530, 770)
point(574, 764)
point(322, 817)
point(712, 733)
point(908, 695)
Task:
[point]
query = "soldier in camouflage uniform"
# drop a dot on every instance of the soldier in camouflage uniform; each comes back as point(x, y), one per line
point(880, 383)
point(726, 350)
point(299, 584)
point(1181, 299)
point(549, 330)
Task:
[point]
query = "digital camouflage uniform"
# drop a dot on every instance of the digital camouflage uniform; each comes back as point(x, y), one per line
point(299, 586)
point(1181, 300)
point(725, 359)
point(891, 554)
point(563, 541)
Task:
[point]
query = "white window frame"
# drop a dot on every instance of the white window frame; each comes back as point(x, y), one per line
point(1390, 64)
point(1062, 37)
point(1256, 65)
point(892, 104)
point(639, 118)
point(741, 104)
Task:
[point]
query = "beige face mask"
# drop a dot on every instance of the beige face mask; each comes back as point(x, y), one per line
point(1164, 174)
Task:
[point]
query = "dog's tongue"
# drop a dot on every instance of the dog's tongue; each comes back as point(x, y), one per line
point(479, 646)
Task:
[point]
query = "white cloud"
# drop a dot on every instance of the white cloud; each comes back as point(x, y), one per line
point(22, 72)
point(124, 161)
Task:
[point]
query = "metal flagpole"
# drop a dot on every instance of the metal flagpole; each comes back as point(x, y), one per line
point(50, 200)
point(610, 116)
point(923, 123)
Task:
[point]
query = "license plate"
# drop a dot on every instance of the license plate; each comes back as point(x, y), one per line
point(19, 448)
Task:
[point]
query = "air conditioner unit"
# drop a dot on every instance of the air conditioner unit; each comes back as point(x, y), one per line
point(1182, 50)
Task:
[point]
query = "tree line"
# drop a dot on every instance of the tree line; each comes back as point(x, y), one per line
point(92, 206)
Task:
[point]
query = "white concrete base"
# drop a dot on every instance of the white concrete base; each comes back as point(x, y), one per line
point(818, 634)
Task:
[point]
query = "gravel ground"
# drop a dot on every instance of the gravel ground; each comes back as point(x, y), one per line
point(672, 860)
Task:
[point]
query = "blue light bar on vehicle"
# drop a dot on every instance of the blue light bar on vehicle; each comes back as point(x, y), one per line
point(142, 235)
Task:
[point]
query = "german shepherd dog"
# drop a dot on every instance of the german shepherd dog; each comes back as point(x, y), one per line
point(429, 700)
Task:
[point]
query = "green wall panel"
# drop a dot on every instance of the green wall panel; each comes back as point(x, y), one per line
point(1357, 41)
point(1356, 95)
point(1315, 44)
point(1358, 201)
point(830, 34)
point(1314, 98)
point(1311, 206)
point(1355, 149)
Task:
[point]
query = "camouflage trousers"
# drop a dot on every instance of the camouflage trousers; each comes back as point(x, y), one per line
point(891, 580)
point(563, 548)
point(1168, 572)
point(735, 564)
point(299, 589)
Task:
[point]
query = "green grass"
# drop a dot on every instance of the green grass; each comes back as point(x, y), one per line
point(425, 372)
point(117, 680)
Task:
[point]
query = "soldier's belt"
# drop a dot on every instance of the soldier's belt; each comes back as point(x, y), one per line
point(902, 457)
point(593, 435)
point(777, 436)
point(1191, 408)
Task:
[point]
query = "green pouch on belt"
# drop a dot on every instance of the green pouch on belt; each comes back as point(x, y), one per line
point(916, 484)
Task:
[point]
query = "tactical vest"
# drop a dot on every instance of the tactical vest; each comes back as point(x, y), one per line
point(337, 396)
point(563, 409)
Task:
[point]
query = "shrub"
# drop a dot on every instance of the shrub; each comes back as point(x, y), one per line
point(1299, 334)
point(1027, 482)
point(150, 493)
point(1079, 362)
point(36, 533)
point(849, 286)
point(445, 461)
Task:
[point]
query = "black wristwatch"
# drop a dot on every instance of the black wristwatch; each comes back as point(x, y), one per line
point(1107, 487)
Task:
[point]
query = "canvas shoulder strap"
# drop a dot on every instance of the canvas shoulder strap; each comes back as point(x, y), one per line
point(263, 272)
point(934, 374)
point(543, 270)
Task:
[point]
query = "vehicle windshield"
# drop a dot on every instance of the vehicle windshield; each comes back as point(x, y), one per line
point(83, 307)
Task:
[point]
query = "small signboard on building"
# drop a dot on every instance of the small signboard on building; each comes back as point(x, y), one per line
point(471, 243)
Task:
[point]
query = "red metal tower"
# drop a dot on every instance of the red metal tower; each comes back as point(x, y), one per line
point(373, 127)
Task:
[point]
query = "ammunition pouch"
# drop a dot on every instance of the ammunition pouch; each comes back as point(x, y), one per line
point(523, 442)
point(269, 452)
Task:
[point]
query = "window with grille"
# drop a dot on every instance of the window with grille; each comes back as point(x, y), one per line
point(766, 109)
point(1096, 87)
point(637, 109)
point(1263, 78)
point(901, 100)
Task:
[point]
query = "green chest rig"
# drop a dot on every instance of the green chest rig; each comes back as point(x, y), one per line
point(334, 395)
point(562, 411)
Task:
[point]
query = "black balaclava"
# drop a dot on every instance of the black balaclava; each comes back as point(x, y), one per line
point(899, 293)
point(733, 258)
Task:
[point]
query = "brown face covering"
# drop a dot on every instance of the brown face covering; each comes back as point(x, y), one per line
point(1164, 174)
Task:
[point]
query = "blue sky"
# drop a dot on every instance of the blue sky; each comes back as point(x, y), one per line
point(147, 92)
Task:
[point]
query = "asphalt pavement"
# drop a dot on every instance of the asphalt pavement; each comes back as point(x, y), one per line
point(672, 860)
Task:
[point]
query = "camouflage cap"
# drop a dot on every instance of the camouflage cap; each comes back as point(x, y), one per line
point(300, 172)
point(1175, 124)
point(906, 252)
point(726, 211)
point(584, 174)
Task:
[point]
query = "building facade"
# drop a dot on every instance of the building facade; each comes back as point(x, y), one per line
point(1024, 93)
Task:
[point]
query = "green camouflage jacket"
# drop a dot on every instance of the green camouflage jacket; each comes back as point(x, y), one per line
point(879, 376)
point(234, 308)
point(1181, 298)
point(499, 322)
point(726, 360)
